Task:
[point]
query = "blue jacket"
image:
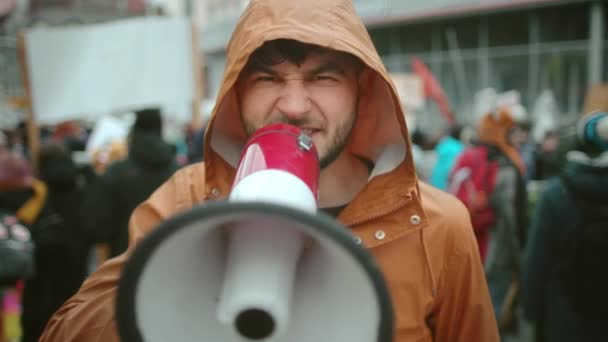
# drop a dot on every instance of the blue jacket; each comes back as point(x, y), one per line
point(448, 150)
point(554, 219)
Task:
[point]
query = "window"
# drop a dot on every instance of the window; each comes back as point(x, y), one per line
point(564, 23)
point(510, 73)
point(415, 38)
point(566, 75)
point(508, 29)
point(381, 39)
point(465, 33)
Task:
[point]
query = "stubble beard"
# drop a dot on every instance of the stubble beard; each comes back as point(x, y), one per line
point(338, 143)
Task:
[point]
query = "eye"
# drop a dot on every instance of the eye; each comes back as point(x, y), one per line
point(325, 77)
point(264, 79)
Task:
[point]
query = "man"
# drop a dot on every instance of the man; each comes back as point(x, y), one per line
point(61, 247)
point(508, 200)
point(312, 64)
point(126, 183)
point(559, 289)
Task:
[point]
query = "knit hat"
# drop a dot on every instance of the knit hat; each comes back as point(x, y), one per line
point(148, 120)
point(593, 131)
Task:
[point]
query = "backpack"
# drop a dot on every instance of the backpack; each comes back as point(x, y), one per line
point(472, 181)
point(583, 272)
point(16, 249)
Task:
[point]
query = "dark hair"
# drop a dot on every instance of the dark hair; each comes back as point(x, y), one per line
point(292, 51)
point(419, 138)
point(456, 131)
point(56, 166)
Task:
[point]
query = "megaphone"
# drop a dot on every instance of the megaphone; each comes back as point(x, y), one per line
point(262, 266)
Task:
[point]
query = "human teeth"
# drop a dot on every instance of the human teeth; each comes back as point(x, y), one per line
point(308, 131)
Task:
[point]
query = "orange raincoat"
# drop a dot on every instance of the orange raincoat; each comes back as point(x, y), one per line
point(422, 238)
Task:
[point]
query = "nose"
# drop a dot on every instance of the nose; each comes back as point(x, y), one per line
point(294, 102)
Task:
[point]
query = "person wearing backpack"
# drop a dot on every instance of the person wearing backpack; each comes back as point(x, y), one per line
point(565, 276)
point(22, 198)
point(488, 178)
point(61, 244)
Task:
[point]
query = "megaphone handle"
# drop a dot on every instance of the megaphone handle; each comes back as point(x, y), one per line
point(260, 272)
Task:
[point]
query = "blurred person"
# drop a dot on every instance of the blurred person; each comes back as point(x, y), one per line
point(21, 196)
point(20, 191)
point(448, 149)
point(74, 136)
point(61, 245)
point(547, 161)
point(596, 100)
point(312, 64)
point(70, 132)
point(488, 178)
point(423, 154)
point(20, 143)
point(111, 198)
point(564, 271)
point(521, 139)
point(111, 153)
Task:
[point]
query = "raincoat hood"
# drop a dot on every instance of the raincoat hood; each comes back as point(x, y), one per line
point(493, 129)
point(380, 133)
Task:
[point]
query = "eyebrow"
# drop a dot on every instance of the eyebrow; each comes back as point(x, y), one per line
point(331, 66)
point(261, 69)
point(328, 66)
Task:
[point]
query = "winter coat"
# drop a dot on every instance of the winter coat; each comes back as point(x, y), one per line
point(421, 237)
point(110, 200)
point(552, 227)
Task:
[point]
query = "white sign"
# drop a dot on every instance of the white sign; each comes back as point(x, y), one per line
point(410, 90)
point(83, 72)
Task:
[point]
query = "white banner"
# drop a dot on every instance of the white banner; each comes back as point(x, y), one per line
point(84, 72)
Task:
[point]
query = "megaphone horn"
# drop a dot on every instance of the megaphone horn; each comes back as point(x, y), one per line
point(263, 266)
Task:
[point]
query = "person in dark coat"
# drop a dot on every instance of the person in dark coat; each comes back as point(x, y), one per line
point(61, 245)
point(110, 200)
point(554, 228)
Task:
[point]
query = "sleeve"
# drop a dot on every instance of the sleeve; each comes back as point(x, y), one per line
point(538, 258)
point(89, 315)
point(464, 309)
point(504, 200)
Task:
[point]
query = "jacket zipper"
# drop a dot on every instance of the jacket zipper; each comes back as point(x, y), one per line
point(396, 207)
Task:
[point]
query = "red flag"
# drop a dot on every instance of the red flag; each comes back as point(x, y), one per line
point(432, 89)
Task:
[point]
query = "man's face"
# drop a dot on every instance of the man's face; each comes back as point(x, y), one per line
point(319, 96)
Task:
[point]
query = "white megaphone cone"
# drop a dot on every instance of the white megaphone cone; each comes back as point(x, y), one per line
point(263, 266)
point(279, 166)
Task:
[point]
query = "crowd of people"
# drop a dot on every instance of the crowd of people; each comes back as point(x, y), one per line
point(77, 213)
point(465, 258)
point(529, 205)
